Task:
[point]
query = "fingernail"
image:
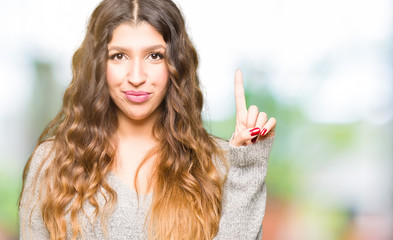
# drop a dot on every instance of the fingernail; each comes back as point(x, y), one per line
point(263, 132)
point(254, 139)
point(255, 131)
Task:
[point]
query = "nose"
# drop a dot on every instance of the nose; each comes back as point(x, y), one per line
point(136, 74)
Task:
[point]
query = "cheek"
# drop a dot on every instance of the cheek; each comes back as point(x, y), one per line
point(114, 74)
point(164, 81)
point(163, 73)
point(159, 76)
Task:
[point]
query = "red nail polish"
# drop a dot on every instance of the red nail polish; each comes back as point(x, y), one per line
point(263, 132)
point(254, 139)
point(255, 131)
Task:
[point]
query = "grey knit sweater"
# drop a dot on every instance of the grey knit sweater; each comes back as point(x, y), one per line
point(243, 203)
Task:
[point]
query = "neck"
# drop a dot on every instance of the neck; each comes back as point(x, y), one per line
point(134, 140)
point(135, 129)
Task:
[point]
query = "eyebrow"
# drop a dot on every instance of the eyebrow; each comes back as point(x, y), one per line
point(146, 49)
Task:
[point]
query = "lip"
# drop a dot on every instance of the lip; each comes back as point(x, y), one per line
point(137, 96)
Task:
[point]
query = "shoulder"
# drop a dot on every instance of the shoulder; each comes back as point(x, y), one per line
point(31, 223)
point(35, 168)
point(39, 160)
point(42, 155)
point(43, 150)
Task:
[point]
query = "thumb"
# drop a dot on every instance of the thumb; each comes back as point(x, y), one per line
point(243, 137)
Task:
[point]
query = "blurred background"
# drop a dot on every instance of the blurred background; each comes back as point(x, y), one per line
point(323, 68)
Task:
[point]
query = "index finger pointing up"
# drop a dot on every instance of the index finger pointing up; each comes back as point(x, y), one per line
point(239, 92)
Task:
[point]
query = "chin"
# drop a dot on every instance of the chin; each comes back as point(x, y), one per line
point(143, 117)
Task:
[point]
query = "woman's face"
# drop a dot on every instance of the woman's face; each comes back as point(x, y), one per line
point(136, 73)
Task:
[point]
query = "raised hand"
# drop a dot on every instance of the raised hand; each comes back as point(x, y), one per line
point(251, 125)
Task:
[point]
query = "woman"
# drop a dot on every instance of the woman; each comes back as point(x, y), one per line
point(127, 157)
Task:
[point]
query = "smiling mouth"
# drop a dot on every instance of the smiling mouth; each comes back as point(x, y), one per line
point(137, 96)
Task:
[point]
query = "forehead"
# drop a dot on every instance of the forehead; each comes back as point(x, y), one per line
point(136, 36)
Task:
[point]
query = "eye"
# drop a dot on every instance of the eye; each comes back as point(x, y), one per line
point(156, 56)
point(118, 56)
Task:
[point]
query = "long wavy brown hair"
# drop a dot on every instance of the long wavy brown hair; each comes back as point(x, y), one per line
point(187, 185)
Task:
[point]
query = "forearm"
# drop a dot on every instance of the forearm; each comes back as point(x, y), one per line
point(245, 192)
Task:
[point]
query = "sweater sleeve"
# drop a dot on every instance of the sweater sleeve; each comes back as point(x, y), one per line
point(31, 223)
point(244, 198)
